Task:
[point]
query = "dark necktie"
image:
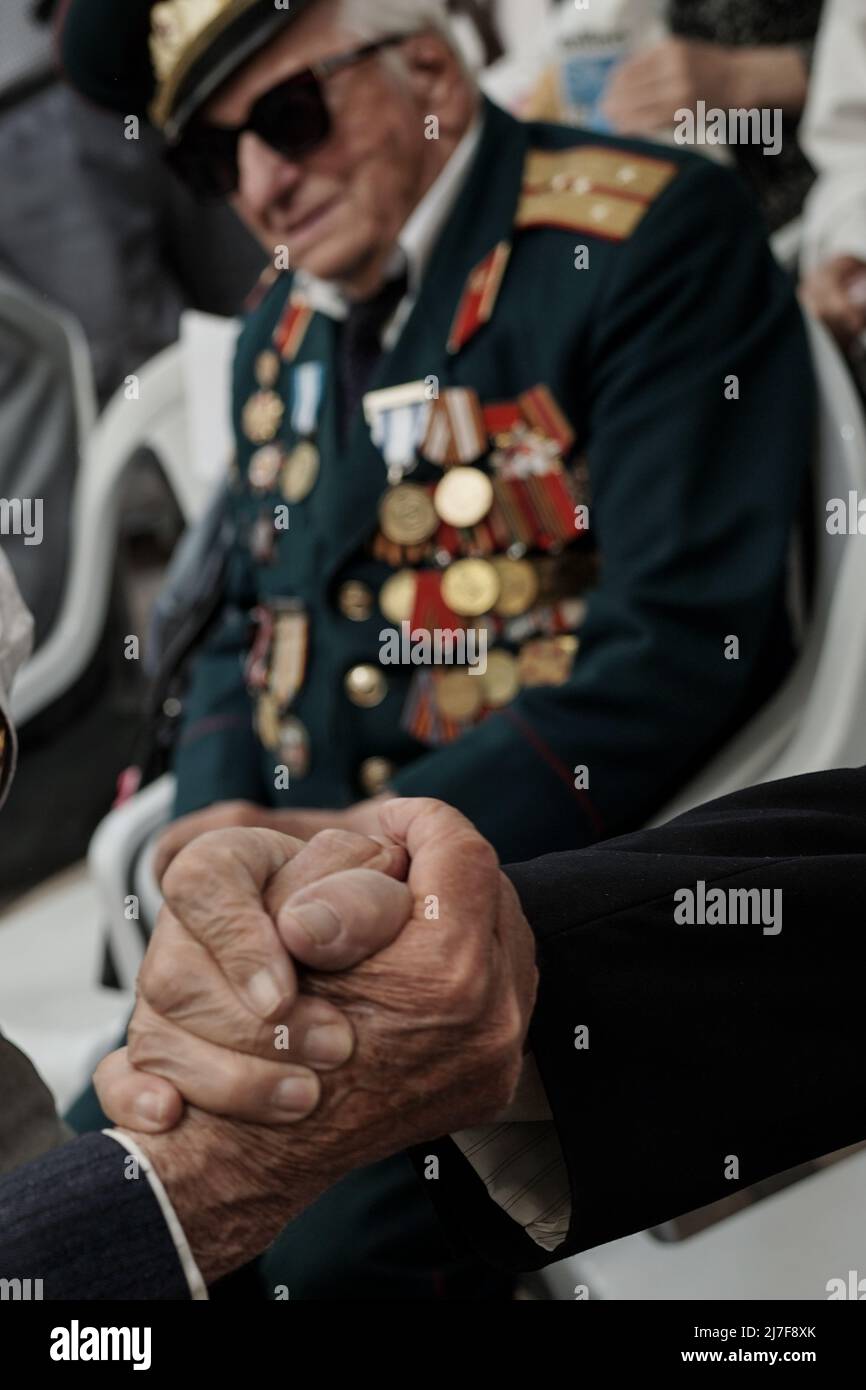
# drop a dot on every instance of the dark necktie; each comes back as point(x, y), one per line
point(361, 345)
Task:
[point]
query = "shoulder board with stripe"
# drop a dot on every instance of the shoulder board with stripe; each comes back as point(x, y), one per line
point(591, 189)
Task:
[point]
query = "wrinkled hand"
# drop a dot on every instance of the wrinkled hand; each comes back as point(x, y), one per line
point(835, 293)
point(646, 91)
point(235, 815)
point(216, 969)
point(439, 1014)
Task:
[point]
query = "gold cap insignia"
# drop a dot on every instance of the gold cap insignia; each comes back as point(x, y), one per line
point(181, 32)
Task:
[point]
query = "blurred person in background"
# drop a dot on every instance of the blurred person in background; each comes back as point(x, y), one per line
point(629, 65)
point(93, 221)
point(834, 135)
point(93, 226)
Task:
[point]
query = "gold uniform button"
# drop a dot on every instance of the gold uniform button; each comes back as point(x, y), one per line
point(375, 775)
point(366, 686)
point(355, 601)
point(459, 696)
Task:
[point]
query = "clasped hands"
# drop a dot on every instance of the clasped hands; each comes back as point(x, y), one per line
point(308, 1007)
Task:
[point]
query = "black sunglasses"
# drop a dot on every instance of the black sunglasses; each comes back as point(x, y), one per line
point(293, 118)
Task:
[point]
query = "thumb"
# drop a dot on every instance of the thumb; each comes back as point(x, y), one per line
point(136, 1100)
point(344, 919)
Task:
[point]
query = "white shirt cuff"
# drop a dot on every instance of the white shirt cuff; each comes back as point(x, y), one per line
point(197, 1289)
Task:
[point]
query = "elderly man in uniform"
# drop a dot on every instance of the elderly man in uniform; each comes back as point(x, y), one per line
point(514, 383)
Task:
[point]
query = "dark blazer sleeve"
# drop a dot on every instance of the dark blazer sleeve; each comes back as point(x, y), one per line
point(705, 1042)
point(74, 1220)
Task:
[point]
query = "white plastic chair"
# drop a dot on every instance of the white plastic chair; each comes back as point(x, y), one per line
point(787, 1247)
point(129, 902)
point(172, 415)
point(816, 720)
point(156, 420)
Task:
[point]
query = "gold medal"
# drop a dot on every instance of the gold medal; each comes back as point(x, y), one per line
point(267, 370)
point(355, 601)
point(293, 746)
point(470, 587)
point(366, 686)
point(262, 417)
point(464, 497)
point(501, 680)
point(300, 472)
point(268, 721)
point(548, 661)
point(265, 466)
point(459, 696)
point(407, 515)
point(375, 775)
point(289, 651)
point(519, 586)
point(397, 598)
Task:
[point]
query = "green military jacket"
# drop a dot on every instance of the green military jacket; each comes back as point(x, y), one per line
point(640, 291)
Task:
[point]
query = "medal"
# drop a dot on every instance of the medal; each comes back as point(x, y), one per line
point(267, 722)
point(479, 298)
point(548, 661)
point(407, 515)
point(397, 417)
point(262, 416)
point(366, 686)
point(265, 466)
point(301, 469)
point(459, 696)
point(501, 680)
point(300, 472)
point(375, 775)
point(546, 418)
point(293, 746)
point(292, 328)
point(456, 431)
point(288, 653)
point(355, 601)
point(267, 369)
point(518, 584)
point(471, 587)
point(464, 497)
point(258, 660)
point(263, 539)
point(397, 597)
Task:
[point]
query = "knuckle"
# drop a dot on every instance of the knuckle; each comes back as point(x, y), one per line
point(335, 841)
point(467, 988)
point(181, 879)
point(236, 813)
point(485, 857)
point(237, 1080)
point(160, 981)
point(142, 1042)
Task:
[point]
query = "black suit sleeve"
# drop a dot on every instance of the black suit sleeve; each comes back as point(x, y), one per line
point(75, 1220)
point(706, 1042)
